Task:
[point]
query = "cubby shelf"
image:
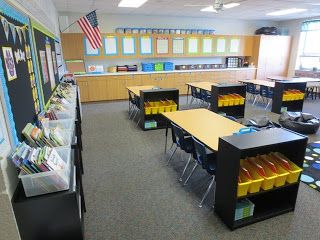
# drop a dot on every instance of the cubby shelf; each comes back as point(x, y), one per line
point(268, 203)
point(236, 111)
point(279, 88)
point(152, 96)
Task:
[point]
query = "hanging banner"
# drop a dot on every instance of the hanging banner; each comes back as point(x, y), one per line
point(5, 26)
point(13, 31)
point(19, 35)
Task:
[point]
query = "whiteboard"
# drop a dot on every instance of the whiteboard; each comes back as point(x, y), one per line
point(146, 45)
point(235, 45)
point(193, 45)
point(162, 45)
point(178, 46)
point(128, 46)
point(89, 50)
point(207, 45)
point(221, 45)
point(110, 45)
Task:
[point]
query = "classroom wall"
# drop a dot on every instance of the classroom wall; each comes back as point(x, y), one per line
point(109, 22)
point(293, 27)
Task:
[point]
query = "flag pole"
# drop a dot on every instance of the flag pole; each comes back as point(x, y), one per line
point(74, 23)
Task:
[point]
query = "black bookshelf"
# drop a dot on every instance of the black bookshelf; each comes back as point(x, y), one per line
point(236, 111)
point(278, 90)
point(152, 96)
point(268, 203)
point(51, 216)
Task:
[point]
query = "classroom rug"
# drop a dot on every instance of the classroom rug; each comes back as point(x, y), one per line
point(311, 166)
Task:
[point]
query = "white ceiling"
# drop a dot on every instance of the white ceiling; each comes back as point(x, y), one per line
point(249, 9)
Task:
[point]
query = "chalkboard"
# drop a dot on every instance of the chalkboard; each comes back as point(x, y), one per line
point(17, 72)
point(47, 62)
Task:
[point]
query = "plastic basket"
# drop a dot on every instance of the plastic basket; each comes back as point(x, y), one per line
point(68, 113)
point(174, 106)
point(154, 107)
point(256, 180)
point(236, 99)
point(281, 172)
point(161, 107)
point(67, 124)
point(158, 67)
point(220, 101)
point(167, 106)
point(147, 67)
point(243, 186)
point(168, 66)
point(244, 209)
point(51, 181)
point(147, 108)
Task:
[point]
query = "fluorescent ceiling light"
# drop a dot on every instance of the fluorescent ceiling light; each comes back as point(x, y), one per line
point(286, 11)
point(208, 9)
point(231, 5)
point(131, 3)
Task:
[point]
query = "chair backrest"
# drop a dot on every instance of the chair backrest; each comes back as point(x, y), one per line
point(201, 152)
point(251, 88)
point(265, 92)
point(231, 118)
point(131, 97)
point(194, 92)
point(137, 101)
point(179, 136)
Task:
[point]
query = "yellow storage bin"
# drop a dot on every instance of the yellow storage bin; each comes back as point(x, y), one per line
point(220, 101)
point(256, 180)
point(166, 105)
point(243, 186)
point(230, 99)
point(242, 100)
point(301, 96)
point(173, 105)
point(269, 177)
point(161, 107)
point(147, 108)
point(225, 101)
point(236, 98)
point(294, 170)
point(154, 107)
point(280, 171)
point(285, 97)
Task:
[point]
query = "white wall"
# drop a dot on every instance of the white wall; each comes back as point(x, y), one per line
point(294, 28)
point(109, 22)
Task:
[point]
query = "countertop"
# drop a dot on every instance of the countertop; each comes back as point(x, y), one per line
point(163, 72)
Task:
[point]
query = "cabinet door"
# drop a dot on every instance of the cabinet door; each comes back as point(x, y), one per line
point(220, 46)
point(133, 80)
point(97, 89)
point(72, 46)
point(247, 46)
point(84, 92)
point(146, 79)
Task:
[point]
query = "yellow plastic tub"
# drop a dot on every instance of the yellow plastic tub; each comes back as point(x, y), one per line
point(220, 101)
point(294, 170)
point(242, 100)
point(236, 99)
point(154, 107)
point(230, 99)
point(256, 180)
point(243, 186)
point(161, 107)
point(281, 172)
point(147, 108)
point(173, 105)
point(269, 177)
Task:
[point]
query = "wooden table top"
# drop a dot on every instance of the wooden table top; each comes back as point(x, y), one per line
point(202, 85)
point(299, 79)
point(260, 82)
point(136, 89)
point(204, 125)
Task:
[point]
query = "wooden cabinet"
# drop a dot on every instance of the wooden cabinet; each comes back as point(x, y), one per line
point(84, 92)
point(271, 55)
point(72, 46)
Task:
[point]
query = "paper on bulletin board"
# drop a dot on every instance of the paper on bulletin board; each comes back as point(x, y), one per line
point(44, 66)
point(146, 45)
point(193, 45)
point(178, 46)
point(207, 45)
point(221, 45)
point(128, 45)
point(110, 45)
point(89, 49)
point(50, 66)
point(234, 45)
point(162, 45)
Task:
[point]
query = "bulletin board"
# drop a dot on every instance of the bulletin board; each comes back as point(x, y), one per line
point(17, 70)
point(46, 62)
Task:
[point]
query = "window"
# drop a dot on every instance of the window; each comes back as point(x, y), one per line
point(309, 46)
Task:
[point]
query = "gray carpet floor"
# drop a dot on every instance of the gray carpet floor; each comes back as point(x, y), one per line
point(132, 194)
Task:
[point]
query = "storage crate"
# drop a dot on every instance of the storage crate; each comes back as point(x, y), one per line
point(256, 179)
point(158, 66)
point(168, 66)
point(243, 185)
point(68, 113)
point(244, 209)
point(269, 177)
point(51, 181)
point(147, 108)
point(147, 67)
point(67, 124)
point(150, 124)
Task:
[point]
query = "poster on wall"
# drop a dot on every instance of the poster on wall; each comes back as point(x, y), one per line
point(44, 68)
point(55, 69)
point(9, 62)
point(50, 65)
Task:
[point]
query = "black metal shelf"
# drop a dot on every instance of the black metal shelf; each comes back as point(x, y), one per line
point(267, 203)
point(236, 111)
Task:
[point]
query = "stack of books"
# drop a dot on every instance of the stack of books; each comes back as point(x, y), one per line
point(32, 160)
point(54, 137)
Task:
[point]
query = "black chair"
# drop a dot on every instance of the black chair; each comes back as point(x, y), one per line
point(231, 118)
point(195, 93)
point(183, 142)
point(132, 104)
point(253, 91)
point(207, 161)
point(266, 93)
point(205, 96)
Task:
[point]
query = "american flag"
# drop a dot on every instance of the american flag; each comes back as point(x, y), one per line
point(89, 25)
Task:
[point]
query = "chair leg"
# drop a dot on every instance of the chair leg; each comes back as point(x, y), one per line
point(185, 168)
point(255, 99)
point(138, 121)
point(174, 151)
point(207, 192)
point(269, 101)
point(192, 171)
point(191, 101)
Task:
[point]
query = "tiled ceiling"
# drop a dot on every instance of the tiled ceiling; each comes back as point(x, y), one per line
point(249, 9)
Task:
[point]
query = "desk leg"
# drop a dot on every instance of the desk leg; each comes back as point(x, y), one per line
point(188, 93)
point(166, 142)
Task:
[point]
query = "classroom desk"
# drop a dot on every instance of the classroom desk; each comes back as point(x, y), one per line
point(201, 85)
point(204, 125)
point(296, 79)
point(136, 89)
point(259, 82)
